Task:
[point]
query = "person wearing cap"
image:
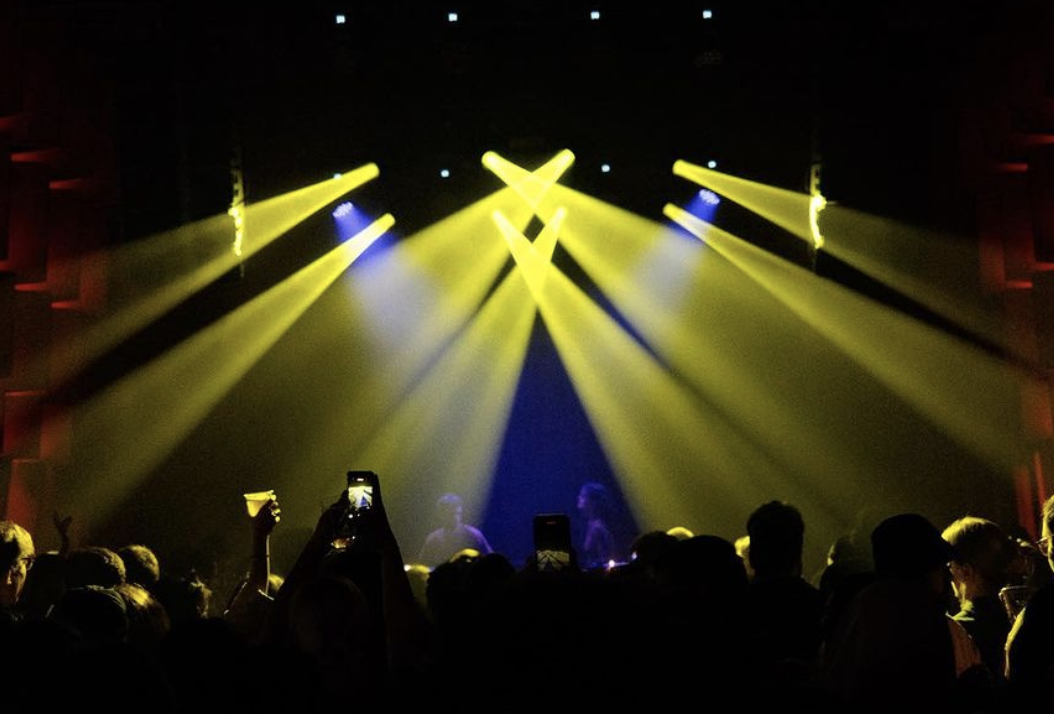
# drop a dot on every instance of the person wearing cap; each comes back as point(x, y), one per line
point(896, 647)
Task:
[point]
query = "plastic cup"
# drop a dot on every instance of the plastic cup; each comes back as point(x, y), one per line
point(1014, 599)
point(257, 500)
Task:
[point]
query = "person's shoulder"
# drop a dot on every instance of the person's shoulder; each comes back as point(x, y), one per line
point(472, 529)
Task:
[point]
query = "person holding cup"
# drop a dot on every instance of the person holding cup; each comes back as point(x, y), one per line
point(248, 607)
point(1030, 644)
point(981, 556)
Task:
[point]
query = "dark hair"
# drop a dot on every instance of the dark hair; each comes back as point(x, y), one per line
point(777, 536)
point(908, 546)
point(598, 495)
point(185, 599)
point(94, 565)
point(140, 564)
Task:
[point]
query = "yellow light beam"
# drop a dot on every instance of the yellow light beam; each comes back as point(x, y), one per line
point(452, 424)
point(840, 437)
point(544, 246)
point(412, 303)
point(790, 210)
point(529, 185)
point(730, 344)
point(936, 269)
point(137, 421)
point(956, 385)
point(154, 275)
point(641, 414)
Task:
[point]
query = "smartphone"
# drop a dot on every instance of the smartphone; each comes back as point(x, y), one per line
point(552, 541)
point(361, 486)
point(360, 491)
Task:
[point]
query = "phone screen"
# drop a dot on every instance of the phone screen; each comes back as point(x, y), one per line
point(360, 490)
point(552, 541)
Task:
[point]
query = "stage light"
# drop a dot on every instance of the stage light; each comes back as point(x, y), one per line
point(530, 185)
point(451, 17)
point(605, 168)
point(341, 19)
point(711, 164)
point(594, 14)
point(708, 14)
point(343, 209)
point(704, 205)
point(444, 173)
point(816, 205)
point(709, 197)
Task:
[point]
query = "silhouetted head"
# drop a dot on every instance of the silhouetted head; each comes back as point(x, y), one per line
point(908, 546)
point(706, 564)
point(593, 499)
point(450, 510)
point(777, 535)
point(186, 599)
point(982, 547)
point(140, 564)
point(148, 622)
point(680, 532)
point(94, 565)
point(647, 547)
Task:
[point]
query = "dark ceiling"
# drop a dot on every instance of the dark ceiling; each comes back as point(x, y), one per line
point(758, 87)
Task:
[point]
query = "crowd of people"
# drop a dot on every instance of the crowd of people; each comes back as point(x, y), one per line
point(908, 617)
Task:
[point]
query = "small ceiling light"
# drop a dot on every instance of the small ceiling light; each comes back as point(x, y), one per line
point(605, 168)
point(341, 19)
point(594, 14)
point(708, 14)
point(711, 164)
point(444, 173)
point(451, 17)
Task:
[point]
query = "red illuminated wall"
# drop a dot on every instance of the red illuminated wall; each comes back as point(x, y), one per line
point(1009, 155)
point(57, 200)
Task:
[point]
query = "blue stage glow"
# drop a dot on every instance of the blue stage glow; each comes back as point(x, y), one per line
point(349, 219)
point(704, 204)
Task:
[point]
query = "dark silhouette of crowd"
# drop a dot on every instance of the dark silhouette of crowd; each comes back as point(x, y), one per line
point(907, 618)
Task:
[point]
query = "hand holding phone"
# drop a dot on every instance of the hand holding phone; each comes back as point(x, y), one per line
point(361, 491)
